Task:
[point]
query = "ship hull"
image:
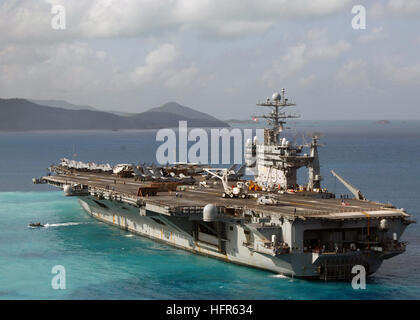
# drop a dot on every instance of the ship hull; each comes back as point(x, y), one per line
point(179, 233)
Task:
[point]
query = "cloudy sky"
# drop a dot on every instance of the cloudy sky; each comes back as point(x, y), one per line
point(216, 56)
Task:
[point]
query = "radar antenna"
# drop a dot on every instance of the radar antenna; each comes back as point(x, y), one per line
point(277, 117)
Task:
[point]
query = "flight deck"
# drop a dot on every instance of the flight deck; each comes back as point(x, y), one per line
point(305, 205)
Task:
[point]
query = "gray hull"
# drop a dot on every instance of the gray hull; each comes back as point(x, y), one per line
point(232, 247)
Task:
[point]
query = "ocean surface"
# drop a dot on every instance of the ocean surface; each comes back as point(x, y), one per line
point(103, 262)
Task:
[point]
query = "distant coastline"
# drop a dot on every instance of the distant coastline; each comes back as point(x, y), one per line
point(236, 121)
point(382, 122)
point(24, 115)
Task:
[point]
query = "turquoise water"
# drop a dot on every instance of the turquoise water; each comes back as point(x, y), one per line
point(103, 262)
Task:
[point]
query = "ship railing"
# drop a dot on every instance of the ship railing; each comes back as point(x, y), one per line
point(326, 212)
point(113, 195)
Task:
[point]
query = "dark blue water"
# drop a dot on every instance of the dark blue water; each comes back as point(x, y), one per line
point(103, 262)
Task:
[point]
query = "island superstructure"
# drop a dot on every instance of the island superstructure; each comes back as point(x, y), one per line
point(269, 222)
point(276, 160)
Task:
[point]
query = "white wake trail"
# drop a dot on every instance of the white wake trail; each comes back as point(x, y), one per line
point(66, 224)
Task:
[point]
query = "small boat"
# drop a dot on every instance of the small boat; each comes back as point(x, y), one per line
point(36, 225)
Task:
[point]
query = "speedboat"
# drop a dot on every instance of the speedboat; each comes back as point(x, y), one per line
point(36, 225)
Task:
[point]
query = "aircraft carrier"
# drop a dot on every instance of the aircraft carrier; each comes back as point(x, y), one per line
point(268, 222)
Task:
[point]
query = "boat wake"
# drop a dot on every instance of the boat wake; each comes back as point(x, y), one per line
point(65, 224)
point(279, 276)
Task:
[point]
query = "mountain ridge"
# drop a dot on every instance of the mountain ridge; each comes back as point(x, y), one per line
point(62, 104)
point(23, 115)
point(174, 107)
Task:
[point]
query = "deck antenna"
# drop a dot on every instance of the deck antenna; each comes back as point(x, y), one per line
point(277, 117)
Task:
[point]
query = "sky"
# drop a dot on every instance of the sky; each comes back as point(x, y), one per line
point(216, 56)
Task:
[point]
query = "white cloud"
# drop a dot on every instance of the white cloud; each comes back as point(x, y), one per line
point(320, 48)
point(158, 63)
point(30, 20)
point(316, 47)
point(100, 60)
point(404, 6)
point(292, 62)
point(326, 51)
point(387, 71)
point(395, 7)
point(376, 10)
point(305, 81)
point(402, 75)
point(182, 78)
point(353, 72)
point(376, 34)
point(25, 55)
point(60, 69)
point(161, 66)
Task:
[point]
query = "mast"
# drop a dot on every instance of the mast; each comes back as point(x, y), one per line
point(276, 160)
point(277, 117)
